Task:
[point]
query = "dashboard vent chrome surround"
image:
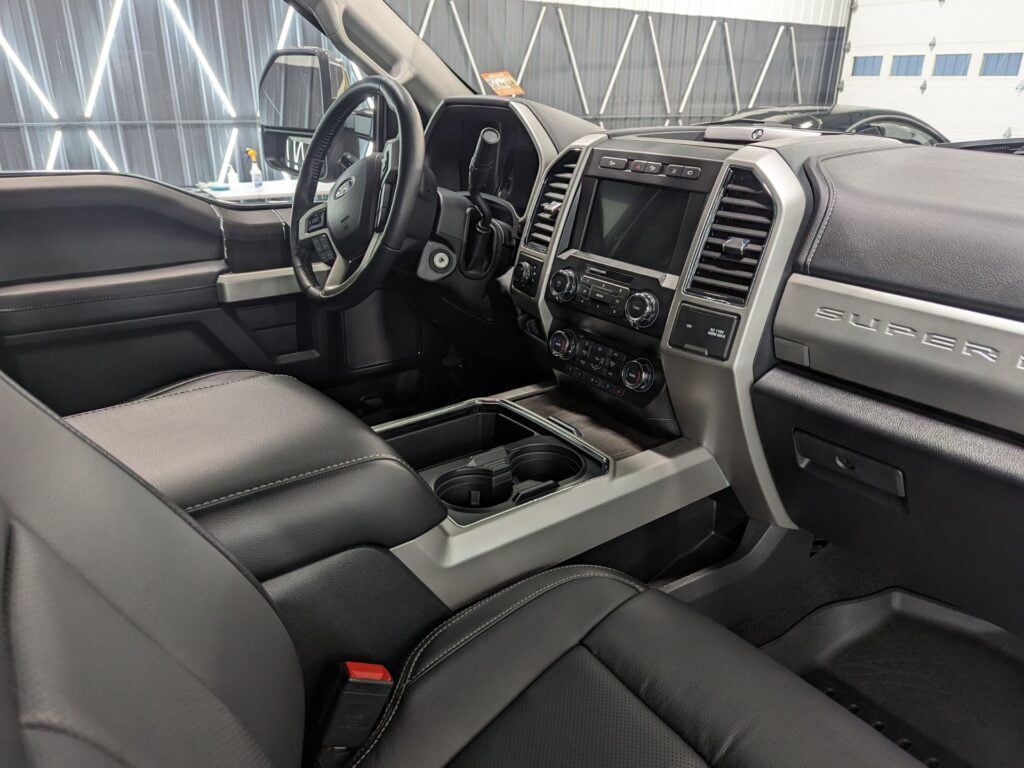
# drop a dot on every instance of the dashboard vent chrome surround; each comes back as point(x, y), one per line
point(731, 251)
point(550, 201)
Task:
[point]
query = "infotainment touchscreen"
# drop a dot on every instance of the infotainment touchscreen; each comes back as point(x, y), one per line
point(640, 224)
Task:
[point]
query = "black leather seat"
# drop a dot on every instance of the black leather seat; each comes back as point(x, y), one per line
point(131, 638)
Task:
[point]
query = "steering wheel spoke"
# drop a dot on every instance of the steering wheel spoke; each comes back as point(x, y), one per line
point(372, 208)
point(338, 274)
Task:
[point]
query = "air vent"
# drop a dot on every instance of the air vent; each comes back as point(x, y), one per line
point(550, 202)
point(739, 230)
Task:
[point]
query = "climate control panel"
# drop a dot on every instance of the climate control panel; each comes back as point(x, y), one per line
point(627, 299)
point(631, 376)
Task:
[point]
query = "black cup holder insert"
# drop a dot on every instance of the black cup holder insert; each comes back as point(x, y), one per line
point(474, 487)
point(545, 462)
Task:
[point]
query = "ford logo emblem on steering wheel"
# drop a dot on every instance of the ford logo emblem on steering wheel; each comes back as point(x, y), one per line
point(343, 188)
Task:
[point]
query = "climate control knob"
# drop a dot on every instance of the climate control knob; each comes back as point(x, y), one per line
point(638, 374)
point(642, 309)
point(562, 344)
point(563, 284)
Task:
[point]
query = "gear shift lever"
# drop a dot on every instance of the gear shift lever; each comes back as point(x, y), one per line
point(481, 168)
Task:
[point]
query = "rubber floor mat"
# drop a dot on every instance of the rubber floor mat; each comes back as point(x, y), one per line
point(947, 687)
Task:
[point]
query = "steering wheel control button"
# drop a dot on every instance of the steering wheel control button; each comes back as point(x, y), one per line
point(703, 332)
point(638, 374)
point(322, 246)
point(316, 221)
point(562, 344)
point(642, 309)
point(614, 163)
point(563, 285)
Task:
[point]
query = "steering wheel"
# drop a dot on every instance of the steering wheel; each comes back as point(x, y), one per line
point(371, 209)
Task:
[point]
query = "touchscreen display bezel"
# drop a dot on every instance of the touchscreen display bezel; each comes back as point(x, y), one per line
point(684, 227)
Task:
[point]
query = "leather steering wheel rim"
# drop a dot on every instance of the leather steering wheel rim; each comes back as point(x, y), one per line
point(362, 273)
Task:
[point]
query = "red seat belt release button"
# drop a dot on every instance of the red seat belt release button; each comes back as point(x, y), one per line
point(363, 691)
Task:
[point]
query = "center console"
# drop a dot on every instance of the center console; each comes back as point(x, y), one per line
point(614, 266)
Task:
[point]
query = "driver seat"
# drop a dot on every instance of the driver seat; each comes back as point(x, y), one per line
point(127, 638)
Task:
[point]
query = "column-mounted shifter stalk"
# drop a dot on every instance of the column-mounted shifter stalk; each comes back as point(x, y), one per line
point(487, 236)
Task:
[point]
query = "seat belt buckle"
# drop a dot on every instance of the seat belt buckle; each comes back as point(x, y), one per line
point(360, 693)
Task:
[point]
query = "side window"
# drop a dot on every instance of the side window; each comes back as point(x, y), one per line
point(1001, 64)
point(867, 66)
point(907, 66)
point(952, 65)
point(159, 88)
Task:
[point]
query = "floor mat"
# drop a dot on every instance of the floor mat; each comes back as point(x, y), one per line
point(945, 686)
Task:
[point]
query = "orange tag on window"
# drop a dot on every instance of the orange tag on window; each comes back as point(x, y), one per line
point(503, 83)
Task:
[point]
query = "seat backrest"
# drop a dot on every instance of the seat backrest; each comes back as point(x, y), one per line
point(128, 637)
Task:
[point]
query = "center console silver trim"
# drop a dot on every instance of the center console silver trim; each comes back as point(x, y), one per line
point(712, 398)
point(462, 564)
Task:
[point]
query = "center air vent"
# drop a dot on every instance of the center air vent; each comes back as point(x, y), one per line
point(730, 255)
point(549, 204)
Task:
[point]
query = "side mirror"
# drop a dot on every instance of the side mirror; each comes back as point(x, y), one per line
point(296, 88)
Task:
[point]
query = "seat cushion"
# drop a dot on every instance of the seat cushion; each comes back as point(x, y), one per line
point(279, 473)
point(581, 666)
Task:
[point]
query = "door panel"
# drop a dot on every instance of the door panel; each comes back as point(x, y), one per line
point(111, 286)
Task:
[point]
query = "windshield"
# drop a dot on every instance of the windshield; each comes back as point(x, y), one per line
point(922, 71)
point(169, 89)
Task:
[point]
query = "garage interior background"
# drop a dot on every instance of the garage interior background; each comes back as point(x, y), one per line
point(167, 88)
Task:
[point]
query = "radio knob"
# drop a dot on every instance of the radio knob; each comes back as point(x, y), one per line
point(638, 374)
point(642, 309)
point(562, 344)
point(563, 284)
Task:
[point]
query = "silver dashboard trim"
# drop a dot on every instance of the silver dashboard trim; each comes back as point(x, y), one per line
point(262, 284)
point(967, 363)
point(712, 398)
point(583, 144)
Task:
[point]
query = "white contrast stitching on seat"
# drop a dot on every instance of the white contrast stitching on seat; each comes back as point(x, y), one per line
point(406, 679)
point(132, 403)
point(300, 476)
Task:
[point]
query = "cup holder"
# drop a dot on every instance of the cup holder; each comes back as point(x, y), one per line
point(545, 462)
point(507, 477)
point(473, 488)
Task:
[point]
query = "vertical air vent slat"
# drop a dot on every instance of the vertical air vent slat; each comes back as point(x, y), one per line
point(550, 201)
point(731, 252)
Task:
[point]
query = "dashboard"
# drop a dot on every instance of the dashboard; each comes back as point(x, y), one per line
point(836, 319)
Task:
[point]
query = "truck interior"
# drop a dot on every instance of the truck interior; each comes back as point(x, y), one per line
point(512, 440)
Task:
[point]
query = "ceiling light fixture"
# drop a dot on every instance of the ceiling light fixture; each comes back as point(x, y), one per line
point(200, 56)
point(51, 157)
point(285, 27)
point(101, 65)
point(102, 150)
point(29, 80)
